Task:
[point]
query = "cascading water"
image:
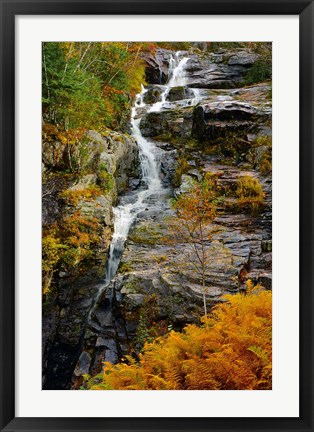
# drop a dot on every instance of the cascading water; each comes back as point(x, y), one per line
point(150, 195)
point(132, 204)
point(197, 96)
point(176, 78)
point(125, 214)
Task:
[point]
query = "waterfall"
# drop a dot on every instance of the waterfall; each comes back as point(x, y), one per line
point(177, 78)
point(133, 203)
point(197, 96)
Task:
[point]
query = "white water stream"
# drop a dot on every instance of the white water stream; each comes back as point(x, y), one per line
point(176, 79)
point(136, 202)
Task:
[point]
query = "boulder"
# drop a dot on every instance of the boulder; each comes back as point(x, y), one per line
point(227, 110)
point(53, 154)
point(167, 123)
point(179, 93)
point(243, 58)
point(153, 94)
point(219, 70)
point(83, 364)
point(216, 119)
point(157, 66)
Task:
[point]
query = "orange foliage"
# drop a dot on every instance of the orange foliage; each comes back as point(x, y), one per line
point(109, 91)
point(232, 350)
point(74, 196)
point(70, 243)
point(195, 211)
point(52, 133)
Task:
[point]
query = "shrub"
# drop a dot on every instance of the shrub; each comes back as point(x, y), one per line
point(125, 267)
point(232, 350)
point(263, 140)
point(106, 180)
point(74, 196)
point(265, 165)
point(250, 195)
point(194, 212)
point(149, 327)
point(69, 245)
point(259, 72)
point(90, 83)
point(52, 249)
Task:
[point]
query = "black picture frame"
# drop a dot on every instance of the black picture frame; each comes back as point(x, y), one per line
point(8, 10)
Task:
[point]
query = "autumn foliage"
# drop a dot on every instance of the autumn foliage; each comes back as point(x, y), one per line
point(68, 245)
point(232, 350)
point(90, 84)
point(194, 212)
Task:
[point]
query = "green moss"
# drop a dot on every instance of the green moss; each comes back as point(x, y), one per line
point(262, 140)
point(146, 235)
point(119, 138)
point(167, 137)
point(132, 286)
point(265, 164)
point(191, 144)
point(181, 167)
point(161, 258)
point(125, 267)
point(228, 144)
point(105, 180)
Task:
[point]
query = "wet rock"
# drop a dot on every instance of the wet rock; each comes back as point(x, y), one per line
point(179, 93)
point(215, 119)
point(261, 277)
point(103, 316)
point(167, 167)
point(194, 173)
point(219, 70)
point(153, 94)
point(163, 124)
point(227, 110)
point(116, 155)
point(157, 66)
point(83, 364)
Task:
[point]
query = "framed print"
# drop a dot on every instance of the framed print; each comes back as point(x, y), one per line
point(156, 236)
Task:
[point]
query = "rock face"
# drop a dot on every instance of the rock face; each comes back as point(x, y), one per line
point(209, 126)
point(179, 93)
point(157, 66)
point(153, 94)
point(215, 119)
point(219, 70)
point(213, 115)
point(218, 130)
point(163, 124)
point(225, 69)
point(108, 164)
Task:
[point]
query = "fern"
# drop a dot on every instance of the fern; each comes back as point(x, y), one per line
point(232, 350)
